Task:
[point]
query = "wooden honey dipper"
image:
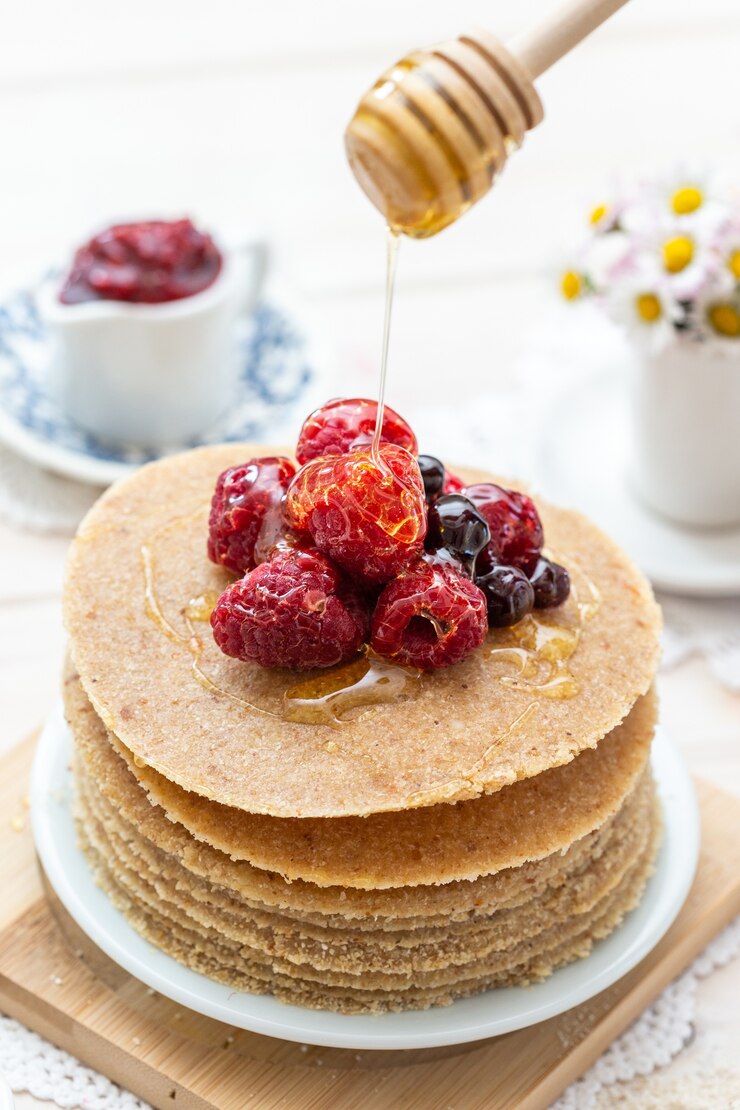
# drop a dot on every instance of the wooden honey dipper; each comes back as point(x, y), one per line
point(430, 137)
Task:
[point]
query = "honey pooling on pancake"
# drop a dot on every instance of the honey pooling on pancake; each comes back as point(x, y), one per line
point(332, 695)
point(534, 656)
point(540, 648)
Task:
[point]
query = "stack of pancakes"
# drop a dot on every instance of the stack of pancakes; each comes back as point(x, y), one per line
point(470, 830)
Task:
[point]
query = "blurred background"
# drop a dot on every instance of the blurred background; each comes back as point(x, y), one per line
point(233, 113)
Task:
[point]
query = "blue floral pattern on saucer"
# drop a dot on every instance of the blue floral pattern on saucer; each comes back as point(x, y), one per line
point(275, 373)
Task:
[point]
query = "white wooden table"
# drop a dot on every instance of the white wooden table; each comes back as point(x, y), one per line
point(233, 113)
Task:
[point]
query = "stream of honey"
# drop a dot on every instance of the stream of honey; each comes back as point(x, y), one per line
point(393, 240)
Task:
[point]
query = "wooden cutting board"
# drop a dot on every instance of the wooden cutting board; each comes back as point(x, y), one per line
point(55, 981)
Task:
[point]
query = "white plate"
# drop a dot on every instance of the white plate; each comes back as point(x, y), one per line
point(582, 457)
point(276, 370)
point(470, 1019)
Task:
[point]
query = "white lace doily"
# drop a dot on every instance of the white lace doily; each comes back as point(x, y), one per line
point(31, 1064)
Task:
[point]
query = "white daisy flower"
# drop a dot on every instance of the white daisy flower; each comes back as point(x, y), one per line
point(716, 312)
point(664, 257)
point(607, 257)
point(643, 305)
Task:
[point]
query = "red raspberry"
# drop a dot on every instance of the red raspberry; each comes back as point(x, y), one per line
point(349, 422)
point(246, 507)
point(516, 528)
point(295, 611)
point(453, 484)
point(431, 616)
point(370, 519)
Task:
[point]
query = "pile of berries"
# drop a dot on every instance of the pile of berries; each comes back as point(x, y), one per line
point(357, 547)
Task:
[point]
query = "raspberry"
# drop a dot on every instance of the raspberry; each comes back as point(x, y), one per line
point(431, 616)
point(453, 484)
point(296, 611)
point(349, 422)
point(369, 518)
point(245, 512)
point(516, 529)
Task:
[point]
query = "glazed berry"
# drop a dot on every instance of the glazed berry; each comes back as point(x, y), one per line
point(347, 423)
point(509, 595)
point(551, 584)
point(516, 529)
point(455, 524)
point(431, 616)
point(453, 484)
point(296, 611)
point(368, 516)
point(246, 500)
point(432, 475)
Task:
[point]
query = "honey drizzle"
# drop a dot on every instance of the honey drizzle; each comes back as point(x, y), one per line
point(454, 787)
point(538, 648)
point(323, 699)
point(197, 609)
point(542, 649)
point(393, 239)
point(329, 697)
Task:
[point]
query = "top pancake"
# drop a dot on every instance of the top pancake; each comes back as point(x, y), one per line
point(138, 561)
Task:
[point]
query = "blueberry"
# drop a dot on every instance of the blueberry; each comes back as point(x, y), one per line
point(551, 584)
point(432, 475)
point(455, 525)
point(509, 593)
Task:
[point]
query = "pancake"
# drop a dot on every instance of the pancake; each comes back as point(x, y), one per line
point(217, 727)
point(434, 844)
point(442, 843)
point(209, 953)
point(332, 905)
point(400, 952)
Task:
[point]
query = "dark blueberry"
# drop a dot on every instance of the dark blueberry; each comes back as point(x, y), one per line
point(509, 594)
point(551, 584)
point(432, 475)
point(455, 524)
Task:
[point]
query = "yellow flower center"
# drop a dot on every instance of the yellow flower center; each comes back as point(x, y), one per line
point(677, 253)
point(648, 307)
point(725, 319)
point(686, 199)
point(598, 213)
point(734, 264)
point(571, 285)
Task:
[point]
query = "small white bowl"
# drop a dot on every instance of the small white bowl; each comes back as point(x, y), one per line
point(151, 375)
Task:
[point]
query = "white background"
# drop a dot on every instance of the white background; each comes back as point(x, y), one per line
point(233, 111)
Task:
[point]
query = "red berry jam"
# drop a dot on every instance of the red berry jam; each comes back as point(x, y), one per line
point(143, 263)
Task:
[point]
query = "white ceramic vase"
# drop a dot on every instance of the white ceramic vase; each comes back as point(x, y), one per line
point(685, 462)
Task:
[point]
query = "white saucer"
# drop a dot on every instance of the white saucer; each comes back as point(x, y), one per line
point(470, 1019)
point(581, 461)
point(276, 370)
